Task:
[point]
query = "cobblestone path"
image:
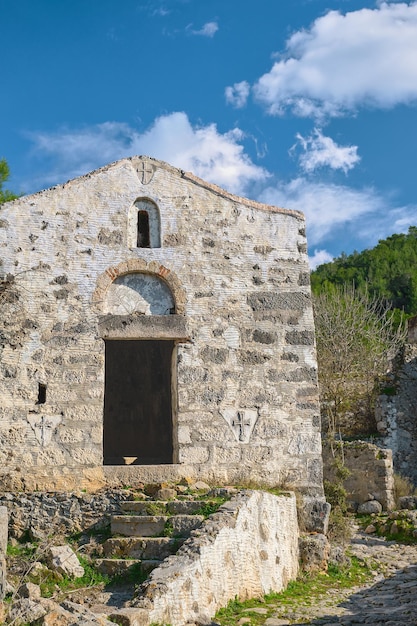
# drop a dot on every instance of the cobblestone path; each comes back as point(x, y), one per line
point(389, 600)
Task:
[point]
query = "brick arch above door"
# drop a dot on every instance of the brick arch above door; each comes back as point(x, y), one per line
point(139, 266)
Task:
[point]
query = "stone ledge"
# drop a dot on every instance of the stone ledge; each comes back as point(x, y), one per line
point(143, 327)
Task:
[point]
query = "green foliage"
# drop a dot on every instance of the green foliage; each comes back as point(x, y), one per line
point(398, 526)
point(388, 271)
point(21, 550)
point(357, 338)
point(50, 581)
point(168, 529)
point(5, 194)
point(211, 506)
point(335, 495)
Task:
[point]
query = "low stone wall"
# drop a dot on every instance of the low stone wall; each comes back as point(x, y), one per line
point(248, 548)
point(396, 412)
point(371, 473)
point(44, 513)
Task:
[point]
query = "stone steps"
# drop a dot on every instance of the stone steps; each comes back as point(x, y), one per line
point(119, 567)
point(160, 507)
point(141, 547)
point(154, 525)
point(146, 540)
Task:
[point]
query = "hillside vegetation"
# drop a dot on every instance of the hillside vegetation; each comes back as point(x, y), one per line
point(360, 305)
point(387, 272)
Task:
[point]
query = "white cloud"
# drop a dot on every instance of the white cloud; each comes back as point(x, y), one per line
point(326, 206)
point(319, 257)
point(320, 151)
point(237, 94)
point(215, 157)
point(338, 211)
point(208, 30)
point(362, 58)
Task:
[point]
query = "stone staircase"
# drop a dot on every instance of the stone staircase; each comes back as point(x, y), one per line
point(147, 532)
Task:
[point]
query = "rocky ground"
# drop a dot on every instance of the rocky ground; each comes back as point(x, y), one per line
point(389, 599)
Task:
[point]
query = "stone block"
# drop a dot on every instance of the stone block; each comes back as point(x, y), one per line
point(3, 580)
point(65, 561)
point(138, 526)
point(130, 617)
point(29, 590)
point(4, 520)
point(26, 611)
point(314, 553)
point(408, 502)
point(369, 507)
point(314, 514)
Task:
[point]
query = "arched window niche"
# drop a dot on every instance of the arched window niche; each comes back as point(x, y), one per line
point(141, 293)
point(144, 225)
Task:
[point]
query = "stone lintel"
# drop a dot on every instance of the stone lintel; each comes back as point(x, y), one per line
point(143, 327)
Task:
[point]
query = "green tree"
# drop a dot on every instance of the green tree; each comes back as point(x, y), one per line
point(5, 194)
point(357, 338)
point(388, 271)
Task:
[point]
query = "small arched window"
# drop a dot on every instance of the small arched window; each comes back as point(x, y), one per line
point(144, 225)
point(144, 235)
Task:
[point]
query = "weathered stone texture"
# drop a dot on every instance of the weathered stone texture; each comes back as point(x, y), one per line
point(59, 513)
point(237, 304)
point(247, 549)
point(396, 412)
point(4, 518)
point(371, 474)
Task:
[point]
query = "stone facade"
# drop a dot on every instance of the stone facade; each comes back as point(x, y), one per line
point(178, 311)
point(396, 411)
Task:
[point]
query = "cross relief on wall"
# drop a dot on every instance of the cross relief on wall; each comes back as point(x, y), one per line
point(241, 422)
point(44, 427)
point(146, 171)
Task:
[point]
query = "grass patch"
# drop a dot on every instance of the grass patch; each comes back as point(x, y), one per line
point(399, 526)
point(305, 591)
point(52, 582)
point(211, 506)
point(21, 550)
point(276, 490)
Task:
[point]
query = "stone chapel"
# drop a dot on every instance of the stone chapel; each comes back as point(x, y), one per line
point(155, 326)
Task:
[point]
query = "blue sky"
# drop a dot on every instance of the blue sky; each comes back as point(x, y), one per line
point(305, 104)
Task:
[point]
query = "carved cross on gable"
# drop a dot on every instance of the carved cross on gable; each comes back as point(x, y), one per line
point(241, 422)
point(146, 171)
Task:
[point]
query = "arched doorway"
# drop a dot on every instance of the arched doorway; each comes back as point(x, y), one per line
point(139, 373)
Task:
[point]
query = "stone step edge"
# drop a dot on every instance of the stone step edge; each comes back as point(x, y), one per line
point(144, 503)
point(152, 518)
point(141, 547)
point(122, 567)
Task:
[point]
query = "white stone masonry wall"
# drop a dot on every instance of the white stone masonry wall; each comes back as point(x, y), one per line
point(247, 549)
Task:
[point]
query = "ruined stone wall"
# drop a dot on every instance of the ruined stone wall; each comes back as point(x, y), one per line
point(371, 472)
point(396, 415)
point(245, 401)
point(42, 514)
point(249, 548)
